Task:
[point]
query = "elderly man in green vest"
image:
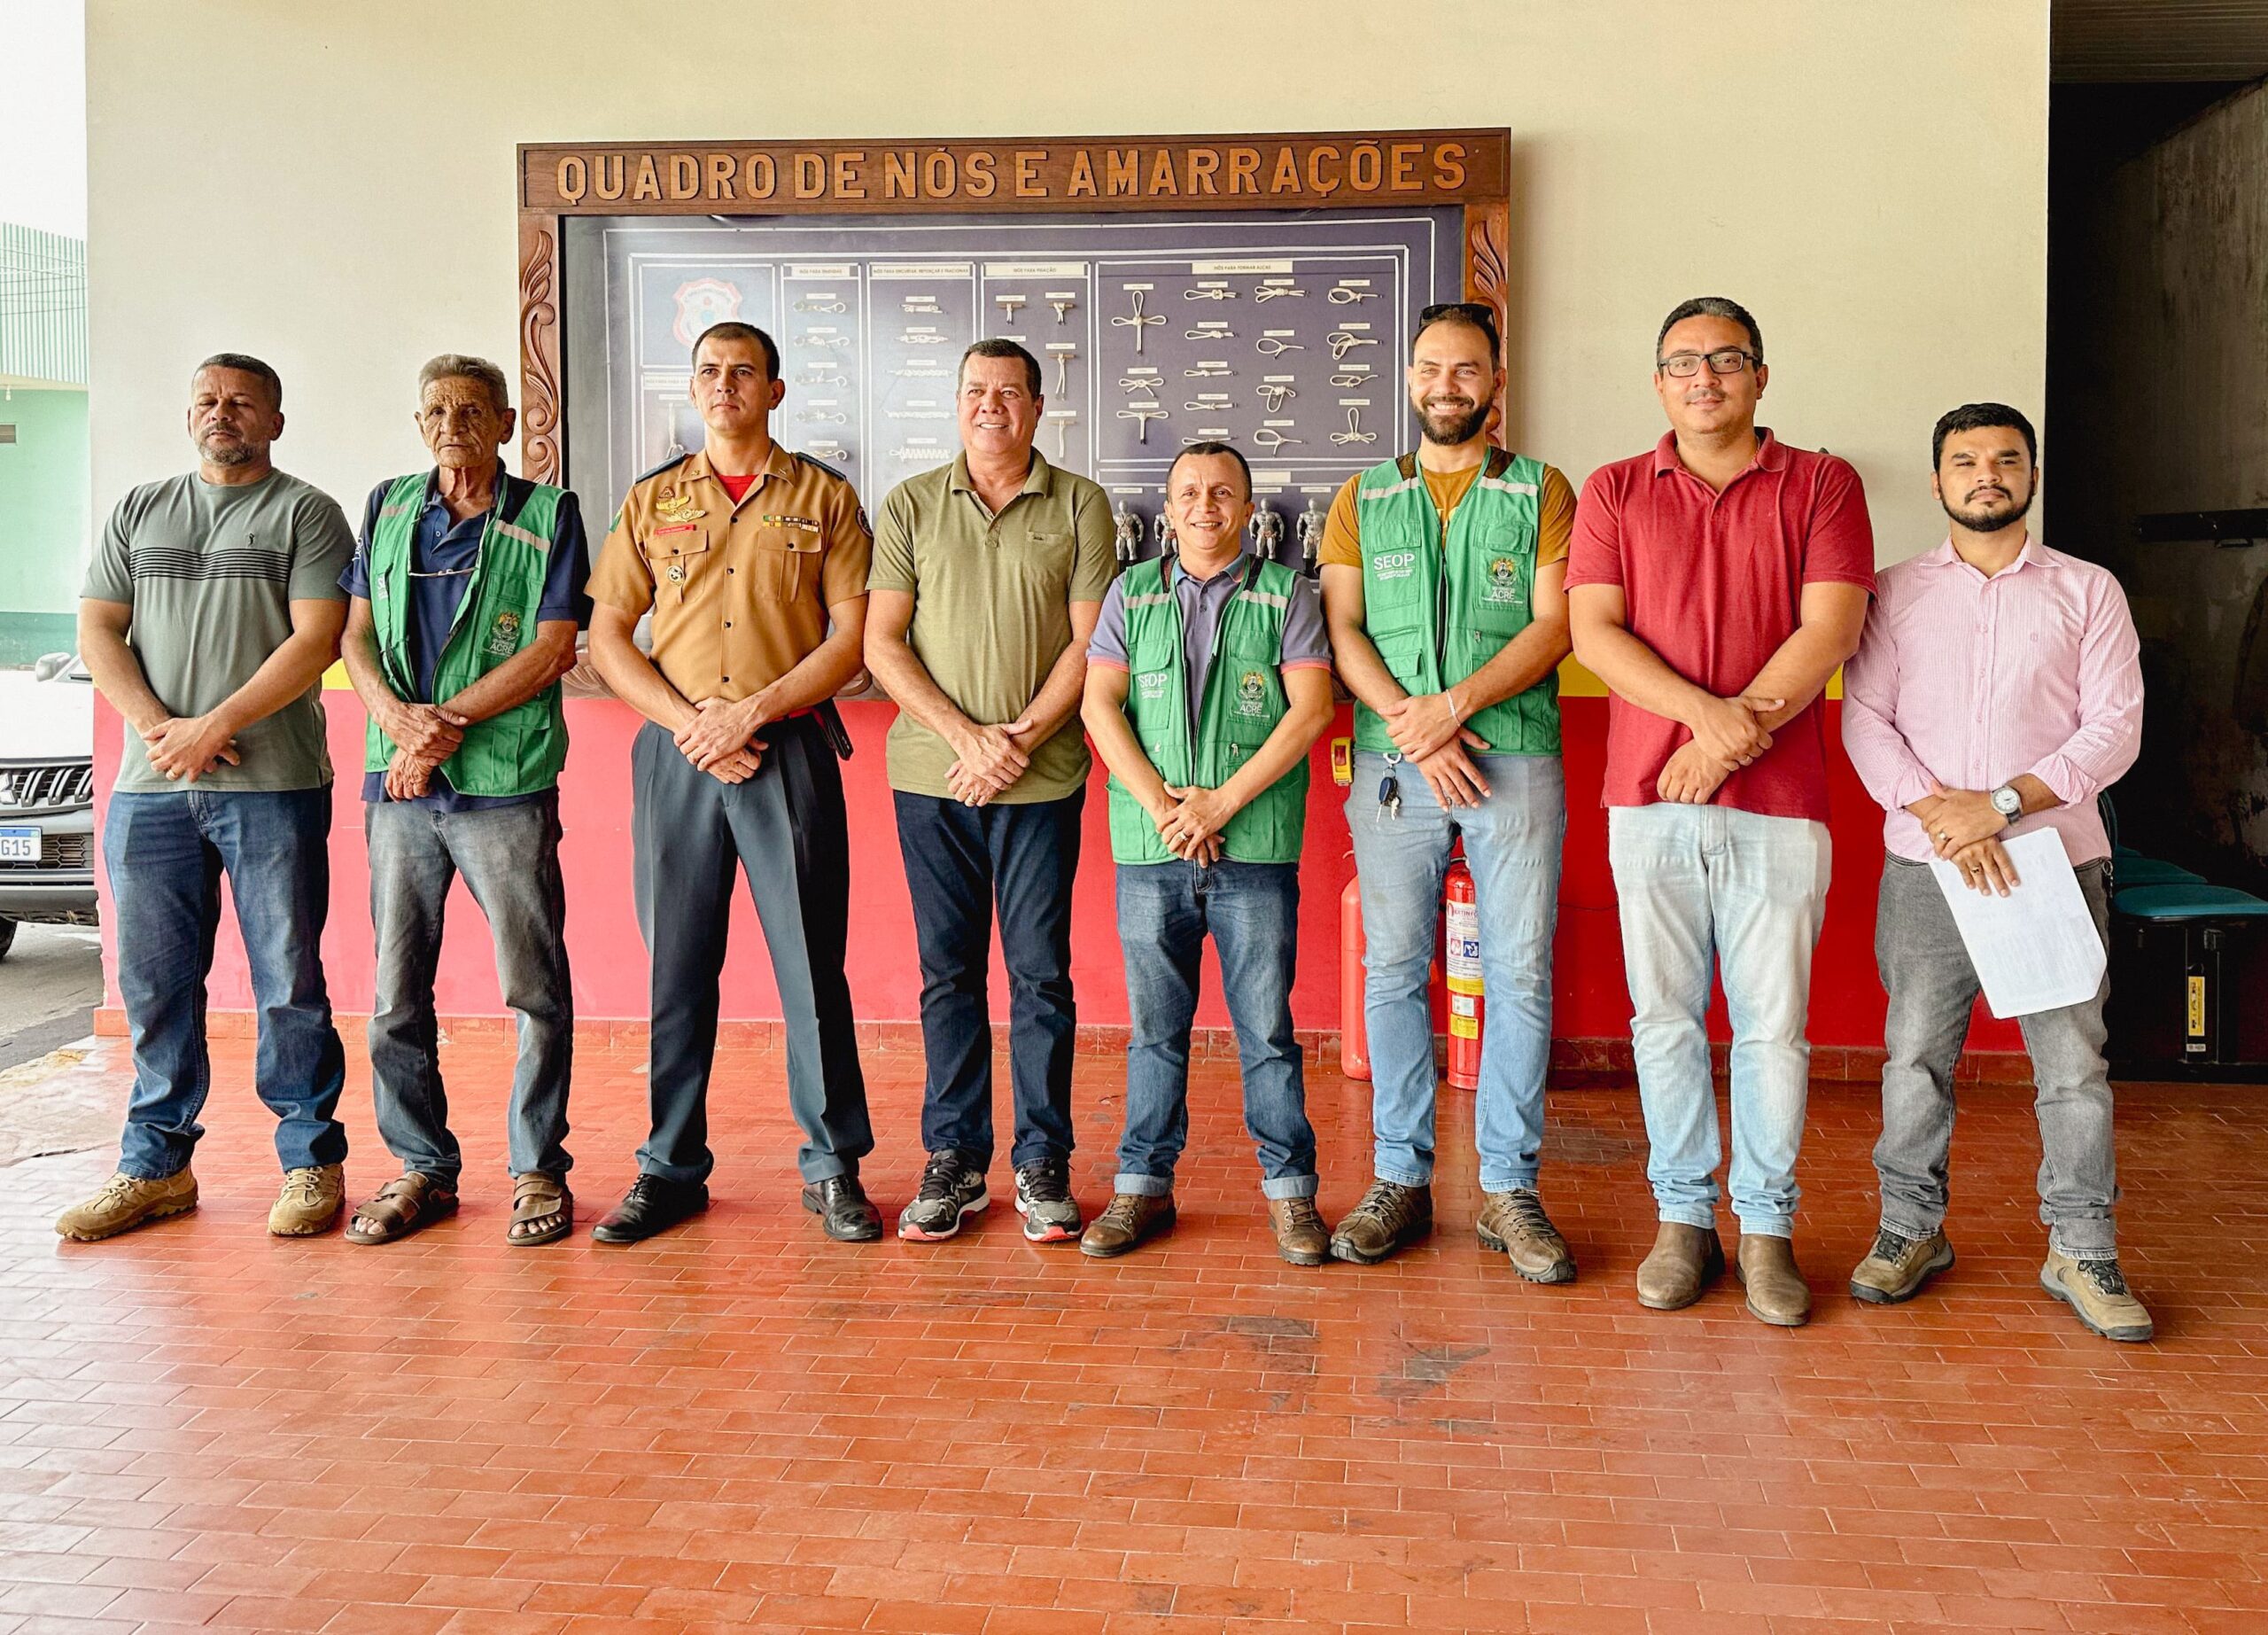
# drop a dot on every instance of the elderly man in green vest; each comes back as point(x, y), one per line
point(1441, 580)
point(467, 590)
point(1208, 679)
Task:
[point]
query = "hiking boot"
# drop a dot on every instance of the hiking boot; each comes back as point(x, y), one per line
point(952, 1190)
point(127, 1201)
point(1390, 1217)
point(1514, 1224)
point(1777, 1293)
point(1044, 1199)
point(312, 1201)
point(1301, 1236)
point(2096, 1290)
point(1132, 1220)
point(1684, 1261)
point(1897, 1266)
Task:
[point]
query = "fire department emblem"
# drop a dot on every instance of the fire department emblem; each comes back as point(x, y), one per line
point(1252, 693)
point(699, 303)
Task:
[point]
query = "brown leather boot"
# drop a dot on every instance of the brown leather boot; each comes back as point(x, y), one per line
point(1514, 1225)
point(1132, 1219)
point(1389, 1216)
point(1685, 1260)
point(1301, 1236)
point(1777, 1293)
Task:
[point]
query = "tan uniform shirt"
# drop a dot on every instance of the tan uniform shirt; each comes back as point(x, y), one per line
point(738, 593)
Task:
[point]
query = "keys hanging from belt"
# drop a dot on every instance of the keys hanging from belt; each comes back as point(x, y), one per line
point(1390, 789)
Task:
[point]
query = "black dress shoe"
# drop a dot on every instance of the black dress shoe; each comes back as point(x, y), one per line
point(653, 1206)
point(841, 1203)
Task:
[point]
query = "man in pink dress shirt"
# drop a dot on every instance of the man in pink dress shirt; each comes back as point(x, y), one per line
point(1997, 689)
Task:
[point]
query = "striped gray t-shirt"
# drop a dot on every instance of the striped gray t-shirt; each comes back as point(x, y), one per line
point(211, 573)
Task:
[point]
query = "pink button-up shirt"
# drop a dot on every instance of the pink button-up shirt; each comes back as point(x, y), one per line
point(1976, 681)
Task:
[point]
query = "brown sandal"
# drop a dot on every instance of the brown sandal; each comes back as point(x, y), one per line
point(405, 1204)
point(538, 1196)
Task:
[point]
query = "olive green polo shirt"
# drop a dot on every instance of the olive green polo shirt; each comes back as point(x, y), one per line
point(992, 608)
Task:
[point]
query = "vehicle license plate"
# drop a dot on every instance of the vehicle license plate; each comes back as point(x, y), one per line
point(19, 846)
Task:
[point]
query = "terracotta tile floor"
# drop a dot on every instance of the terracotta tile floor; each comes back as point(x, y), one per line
point(744, 1426)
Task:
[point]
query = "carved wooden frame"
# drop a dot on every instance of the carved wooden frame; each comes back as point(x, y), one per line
point(1470, 168)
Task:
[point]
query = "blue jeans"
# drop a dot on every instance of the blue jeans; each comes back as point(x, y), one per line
point(961, 861)
point(1512, 844)
point(509, 858)
point(1252, 912)
point(166, 852)
point(1699, 886)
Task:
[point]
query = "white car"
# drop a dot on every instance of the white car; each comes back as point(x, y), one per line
point(47, 795)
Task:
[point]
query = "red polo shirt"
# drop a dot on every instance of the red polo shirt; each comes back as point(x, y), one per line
point(1714, 583)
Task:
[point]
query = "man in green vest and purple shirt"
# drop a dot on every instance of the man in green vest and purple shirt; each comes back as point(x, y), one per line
point(1208, 679)
point(467, 590)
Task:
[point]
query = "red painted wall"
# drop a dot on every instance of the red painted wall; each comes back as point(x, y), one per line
point(609, 963)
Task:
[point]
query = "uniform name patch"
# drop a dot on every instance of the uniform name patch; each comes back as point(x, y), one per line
point(1152, 687)
point(1394, 563)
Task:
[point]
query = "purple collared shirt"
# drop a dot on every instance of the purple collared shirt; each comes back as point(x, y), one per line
point(1975, 681)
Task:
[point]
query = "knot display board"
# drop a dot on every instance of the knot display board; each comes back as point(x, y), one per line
point(1284, 332)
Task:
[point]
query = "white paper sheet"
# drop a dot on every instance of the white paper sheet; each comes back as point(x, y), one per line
point(2037, 948)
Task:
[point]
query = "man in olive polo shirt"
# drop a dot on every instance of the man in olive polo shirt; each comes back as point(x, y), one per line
point(753, 562)
point(987, 577)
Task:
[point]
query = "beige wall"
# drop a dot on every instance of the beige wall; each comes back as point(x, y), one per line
point(331, 186)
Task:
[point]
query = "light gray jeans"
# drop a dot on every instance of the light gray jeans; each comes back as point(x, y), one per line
point(1704, 887)
point(1932, 988)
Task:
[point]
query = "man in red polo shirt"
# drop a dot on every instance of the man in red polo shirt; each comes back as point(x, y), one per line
point(1714, 583)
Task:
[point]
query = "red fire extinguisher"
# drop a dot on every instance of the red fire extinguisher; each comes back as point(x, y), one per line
point(1461, 929)
point(1354, 1036)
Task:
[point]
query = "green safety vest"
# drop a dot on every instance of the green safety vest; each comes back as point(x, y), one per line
point(1434, 622)
point(1244, 699)
point(520, 751)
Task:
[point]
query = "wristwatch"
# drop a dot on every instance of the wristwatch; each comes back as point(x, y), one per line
point(2006, 802)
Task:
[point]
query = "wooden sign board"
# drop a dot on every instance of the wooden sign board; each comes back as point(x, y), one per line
point(1068, 175)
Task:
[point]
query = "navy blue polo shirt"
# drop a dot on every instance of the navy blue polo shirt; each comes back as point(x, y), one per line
point(442, 552)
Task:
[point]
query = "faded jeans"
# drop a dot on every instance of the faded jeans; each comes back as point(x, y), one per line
point(1251, 912)
point(166, 852)
point(1932, 988)
point(1702, 886)
point(509, 858)
point(1512, 844)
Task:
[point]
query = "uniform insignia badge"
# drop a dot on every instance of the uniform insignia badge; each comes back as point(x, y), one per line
point(1252, 693)
point(1503, 580)
point(677, 507)
point(783, 521)
point(674, 574)
point(504, 636)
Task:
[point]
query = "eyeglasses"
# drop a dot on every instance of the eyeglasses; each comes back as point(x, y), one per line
point(1724, 361)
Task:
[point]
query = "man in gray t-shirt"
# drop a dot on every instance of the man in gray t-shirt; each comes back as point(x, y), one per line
point(210, 613)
